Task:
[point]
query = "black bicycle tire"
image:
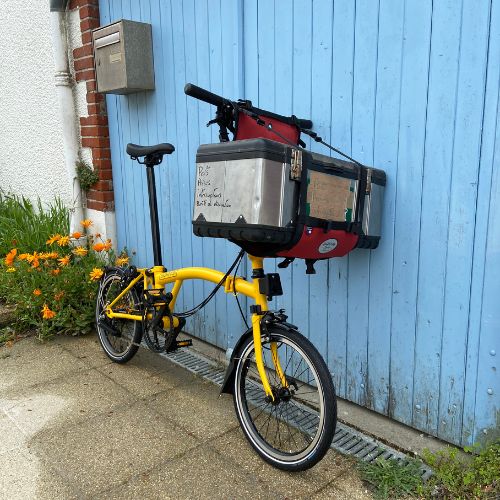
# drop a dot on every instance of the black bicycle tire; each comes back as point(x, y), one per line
point(330, 405)
point(137, 335)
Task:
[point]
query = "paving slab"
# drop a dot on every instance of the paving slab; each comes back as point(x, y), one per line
point(202, 473)
point(197, 408)
point(24, 476)
point(109, 449)
point(82, 395)
point(347, 486)
point(12, 437)
point(142, 380)
point(289, 484)
point(86, 348)
point(38, 363)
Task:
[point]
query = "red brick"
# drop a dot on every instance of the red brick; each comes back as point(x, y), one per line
point(87, 74)
point(89, 24)
point(84, 51)
point(93, 120)
point(87, 37)
point(94, 97)
point(91, 85)
point(100, 195)
point(98, 108)
point(95, 131)
point(74, 4)
point(105, 174)
point(103, 186)
point(101, 154)
point(95, 142)
point(89, 11)
point(84, 63)
point(100, 205)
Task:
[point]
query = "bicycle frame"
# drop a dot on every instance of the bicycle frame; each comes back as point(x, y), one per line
point(157, 278)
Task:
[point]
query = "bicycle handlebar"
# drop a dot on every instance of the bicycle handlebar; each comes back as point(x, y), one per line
point(203, 95)
point(217, 100)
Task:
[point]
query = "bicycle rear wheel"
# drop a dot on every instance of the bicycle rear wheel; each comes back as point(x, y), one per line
point(120, 338)
point(294, 431)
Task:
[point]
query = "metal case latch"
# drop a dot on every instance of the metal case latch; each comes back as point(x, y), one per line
point(296, 165)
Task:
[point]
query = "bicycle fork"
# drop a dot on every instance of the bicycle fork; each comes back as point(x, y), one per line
point(258, 314)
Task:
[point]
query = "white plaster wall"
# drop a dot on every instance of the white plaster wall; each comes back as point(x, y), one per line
point(31, 150)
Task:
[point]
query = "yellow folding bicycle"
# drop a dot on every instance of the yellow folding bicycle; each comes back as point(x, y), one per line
point(283, 392)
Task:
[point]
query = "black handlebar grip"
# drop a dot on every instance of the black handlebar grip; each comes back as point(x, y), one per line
point(202, 94)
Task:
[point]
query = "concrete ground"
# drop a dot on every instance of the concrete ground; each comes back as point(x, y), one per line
point(75, 425)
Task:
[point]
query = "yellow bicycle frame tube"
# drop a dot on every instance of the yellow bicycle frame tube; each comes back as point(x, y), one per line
point(157, 278)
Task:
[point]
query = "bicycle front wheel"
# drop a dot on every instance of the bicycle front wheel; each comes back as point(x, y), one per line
point(293, 431)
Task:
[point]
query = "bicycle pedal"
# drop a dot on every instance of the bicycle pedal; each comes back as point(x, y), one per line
point(180, 343)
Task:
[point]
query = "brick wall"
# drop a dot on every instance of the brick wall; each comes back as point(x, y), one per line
point(94, 127)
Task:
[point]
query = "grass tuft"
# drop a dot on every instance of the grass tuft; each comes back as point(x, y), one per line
point(26, 225)
point(392, 478)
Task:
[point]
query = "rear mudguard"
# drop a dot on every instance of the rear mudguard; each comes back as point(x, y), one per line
point(227, 385)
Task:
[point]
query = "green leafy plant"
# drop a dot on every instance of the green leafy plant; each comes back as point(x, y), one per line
point(86, 175)
point(26, 225)
point(392, 478)
point(459, 477)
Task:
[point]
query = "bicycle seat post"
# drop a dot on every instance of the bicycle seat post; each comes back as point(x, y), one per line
point(150, 161)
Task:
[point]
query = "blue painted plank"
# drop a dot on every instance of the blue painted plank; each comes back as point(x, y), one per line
point(321, 76)
point(205, 114)
point(217, 86)
point(474, 384)
point(385, 156)
point(411, 138)
point(445, 49)
point(301, 105)
point(341, 112)
point(487, 414)
point(461, 224)
point(283, 101)
point(363, 121)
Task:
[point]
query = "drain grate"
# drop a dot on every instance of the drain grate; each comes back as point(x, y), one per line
point(346, 440)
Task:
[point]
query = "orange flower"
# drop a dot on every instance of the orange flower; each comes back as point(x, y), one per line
point(9, 258)
point(53, 239)
point(37, 292)
point(86, 223)
point(23, 256)
point(97, 235)
point(35, 263)
point(99, 247)
point(52, 255)
point(63, 241)
point(47, 313)
point(59, 296)
point(64, 261)
point(96, 274)
point(108, 245)
point(76, 235)
point(80, 251)
point(121, 261)
point(55, 272)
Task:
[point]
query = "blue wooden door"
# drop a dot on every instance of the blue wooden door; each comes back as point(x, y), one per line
point(411, 329)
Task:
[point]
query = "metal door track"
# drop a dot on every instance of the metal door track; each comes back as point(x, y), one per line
point(347, 441)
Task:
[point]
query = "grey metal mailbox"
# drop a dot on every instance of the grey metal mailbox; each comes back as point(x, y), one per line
point(123, 57)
